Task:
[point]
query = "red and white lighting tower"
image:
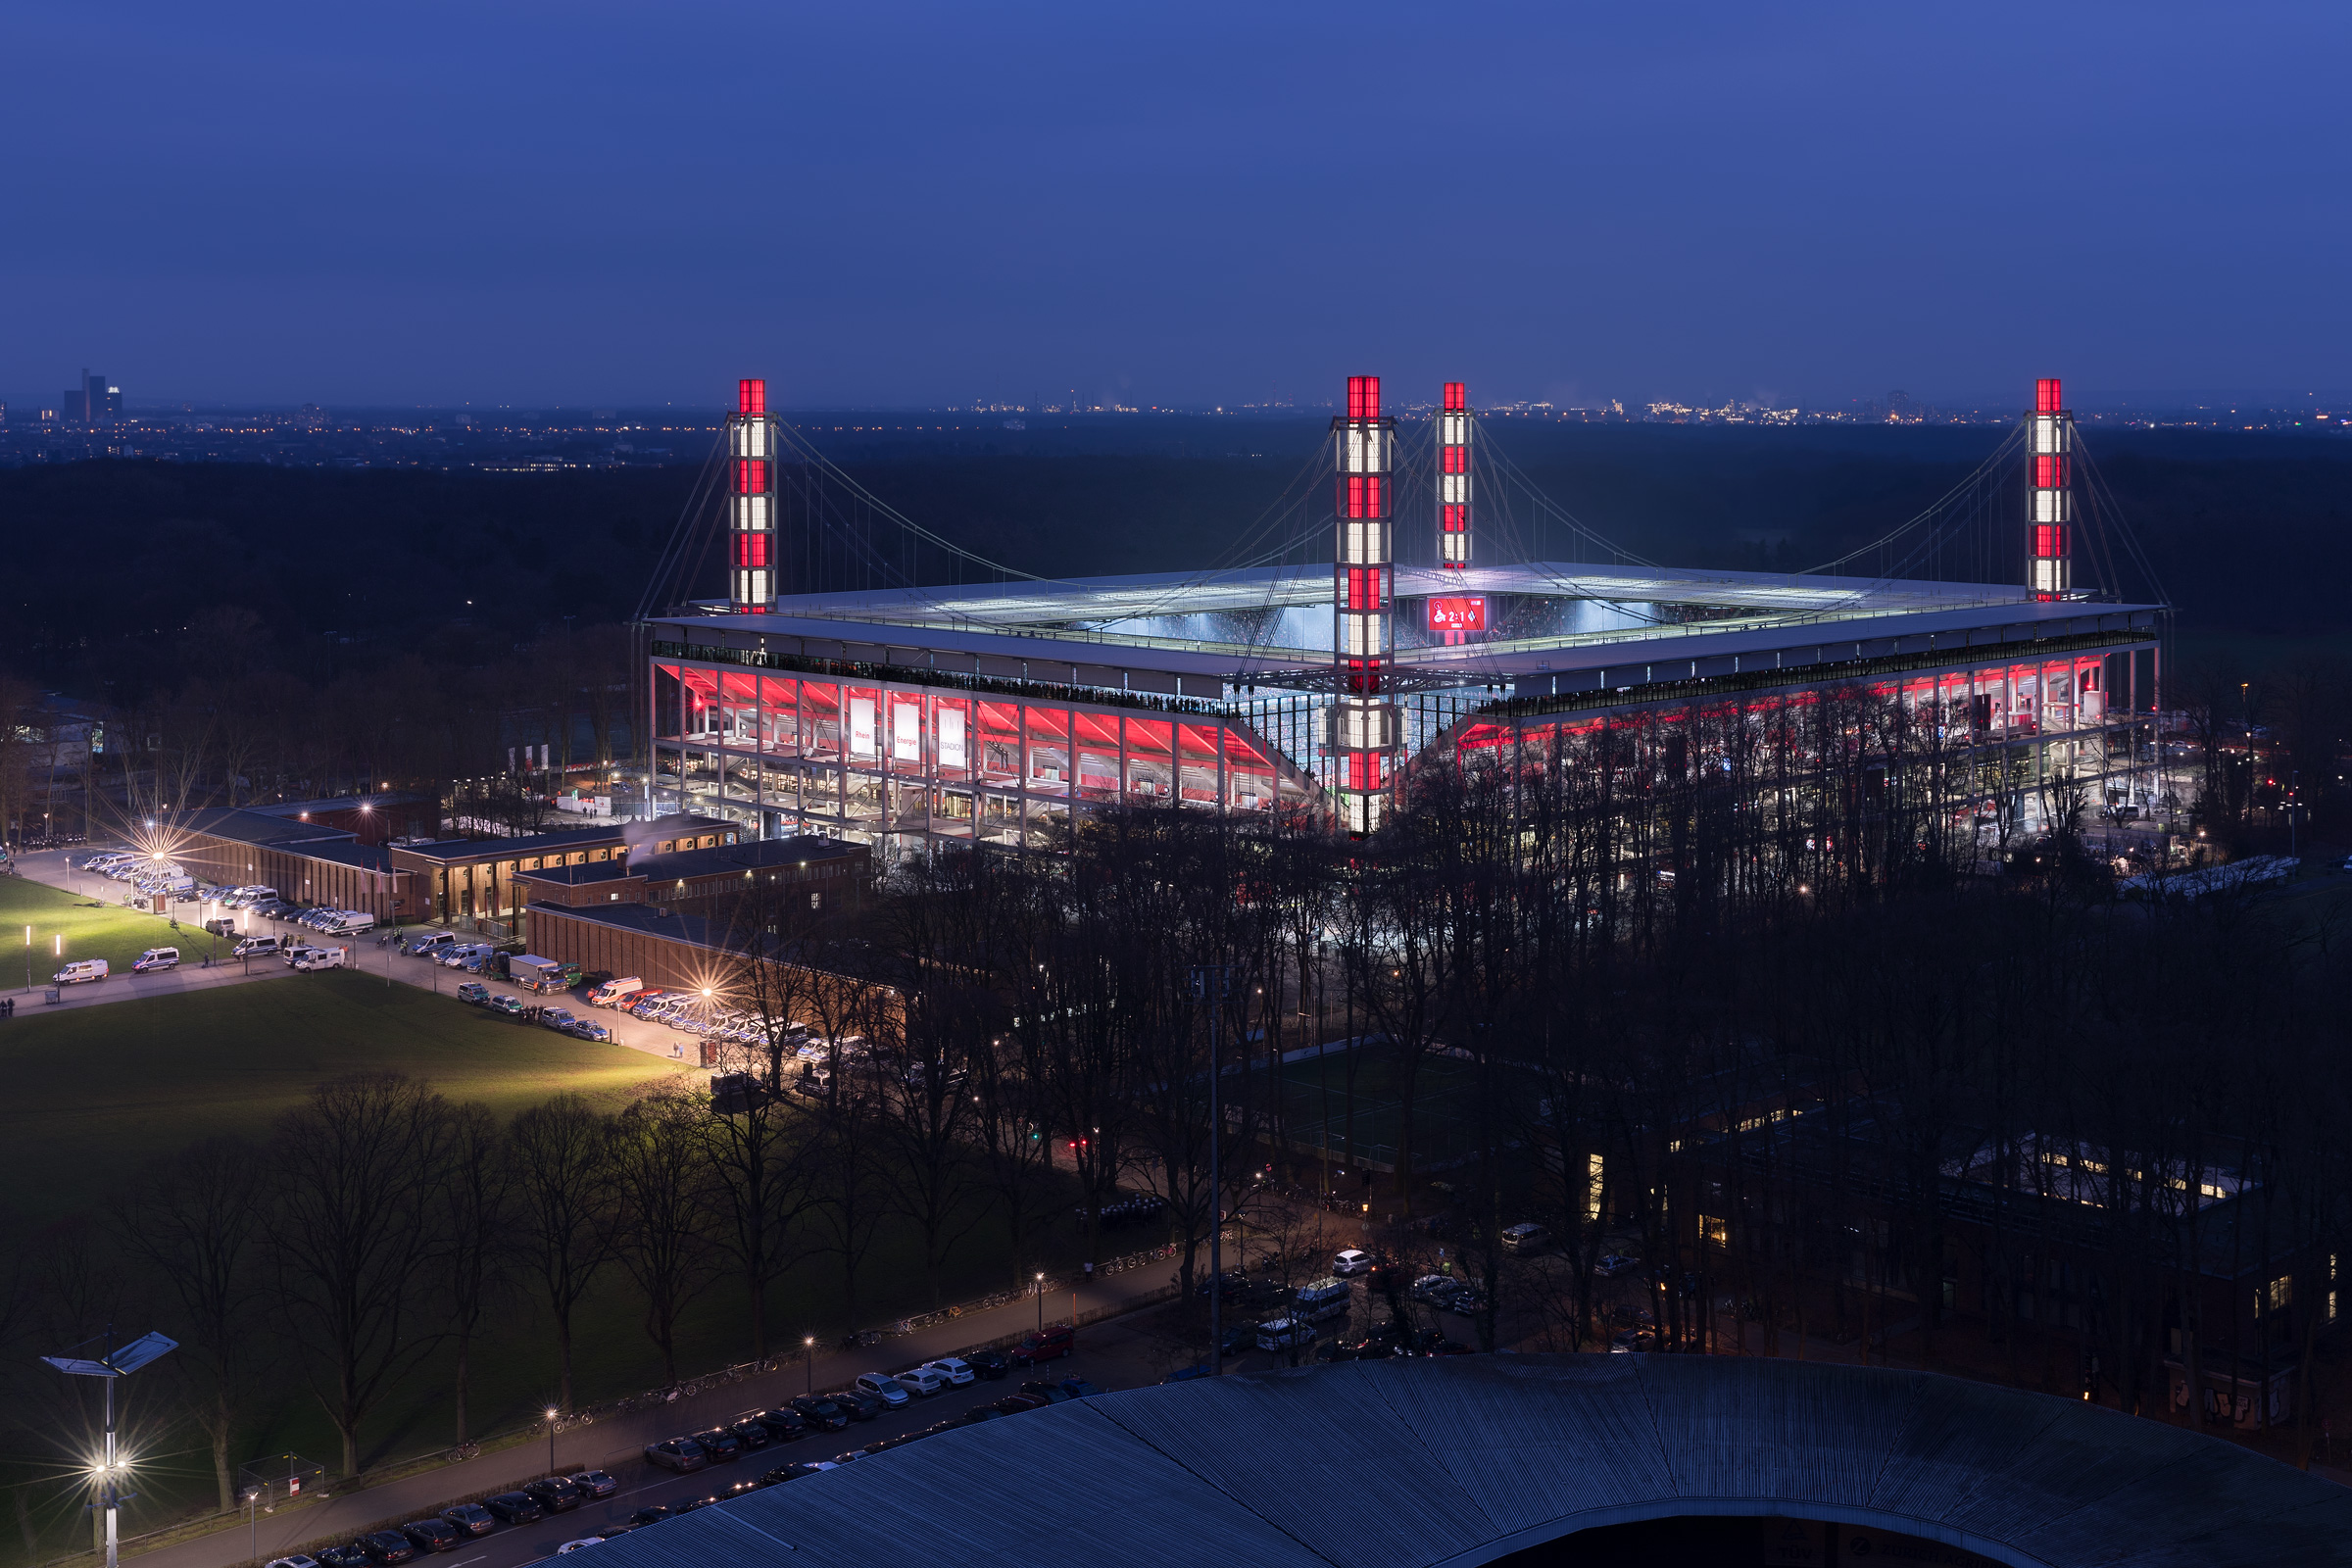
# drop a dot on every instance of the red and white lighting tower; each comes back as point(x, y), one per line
point(750, 501)
point(1453, 479)
point(2049, 565)
point(1363, 721)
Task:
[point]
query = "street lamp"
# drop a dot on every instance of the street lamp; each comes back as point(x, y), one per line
point(550, 1439)
point(809, 1361)
point(1041, 1303)
point(253, 1518)
point(112, 1365)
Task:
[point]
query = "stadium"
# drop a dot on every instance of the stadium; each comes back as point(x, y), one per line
point(910, 716)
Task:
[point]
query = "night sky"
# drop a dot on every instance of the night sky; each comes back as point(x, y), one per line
point(932, 203)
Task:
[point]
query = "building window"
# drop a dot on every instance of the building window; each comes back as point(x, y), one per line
point(2280, 1296)
point(1714, 1232)
point(531, 864)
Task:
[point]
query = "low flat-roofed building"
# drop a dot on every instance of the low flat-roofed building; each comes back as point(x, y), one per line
point(710, 881)
point(479, 879)
point(305, 862)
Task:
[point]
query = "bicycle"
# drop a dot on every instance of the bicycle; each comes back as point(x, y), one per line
point(463, 1452)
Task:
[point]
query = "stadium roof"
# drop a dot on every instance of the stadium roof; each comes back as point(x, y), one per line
point(1464, 1460)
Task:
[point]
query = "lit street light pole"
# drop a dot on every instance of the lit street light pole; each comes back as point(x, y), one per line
point(808, 1362)
point(550, 1439)
point(114, 1364)
point(1040, 1303)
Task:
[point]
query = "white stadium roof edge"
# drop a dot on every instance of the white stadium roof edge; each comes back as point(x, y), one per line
point(1464, 1460)
point(1083, 630)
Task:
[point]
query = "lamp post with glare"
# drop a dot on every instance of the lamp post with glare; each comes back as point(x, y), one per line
point(1040, 1303)
point(809, 1361)
point(112, 1365)
point(550, 1439)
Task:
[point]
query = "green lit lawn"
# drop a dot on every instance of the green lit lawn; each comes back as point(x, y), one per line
point(111, 1086)
point(110, 932)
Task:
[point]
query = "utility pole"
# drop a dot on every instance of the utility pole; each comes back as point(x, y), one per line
point(1212, 983)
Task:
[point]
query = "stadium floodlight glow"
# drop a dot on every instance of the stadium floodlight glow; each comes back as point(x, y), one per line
point(750, 500)
point(112, 1465)
point(2051, 453)
point(1363, 722)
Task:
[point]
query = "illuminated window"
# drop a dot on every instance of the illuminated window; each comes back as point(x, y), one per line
point(1714, 1232)
point(2280, 1296)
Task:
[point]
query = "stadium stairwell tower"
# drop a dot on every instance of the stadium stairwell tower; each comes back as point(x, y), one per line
point(1453, 479)
point(1363, 721)
point(752, 501)
point(2049, 565)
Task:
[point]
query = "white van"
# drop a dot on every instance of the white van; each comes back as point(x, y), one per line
point(609, 994)
point(1524, 1240)
point(253, 947)
point(348, 924)
point(323, 958)
point(1284, 1333)
point(80, 969)
point(1322, 1299)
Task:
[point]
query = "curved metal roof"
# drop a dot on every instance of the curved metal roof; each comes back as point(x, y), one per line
point(1463, 1460)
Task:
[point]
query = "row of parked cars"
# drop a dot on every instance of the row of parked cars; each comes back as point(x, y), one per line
point(560, 1019)
point(449, 951)
point(455, 1526)
point(147, 874)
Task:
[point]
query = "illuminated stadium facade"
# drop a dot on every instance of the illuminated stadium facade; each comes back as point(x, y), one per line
point(914, 718)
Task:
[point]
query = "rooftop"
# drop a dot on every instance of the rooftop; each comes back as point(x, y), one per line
point(755, 856)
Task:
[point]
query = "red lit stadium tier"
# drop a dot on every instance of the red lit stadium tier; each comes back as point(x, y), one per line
point(1363, 721)
point(2049, 562)
point(752, 501)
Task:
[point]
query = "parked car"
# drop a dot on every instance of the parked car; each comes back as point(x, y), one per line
point(80, 971)
point(254, 947)
point(653, 1514)
point(426, 947)
point(1524, 1240)
point(1050, 1346)
point(1079, 1389)
point(1284, 1333)
point(298, 1560)
point(1321, 1299)
point(470, 1517)
point(952, 1369)
point(973, 1415)
point(475, 991)
point(1616, 1263)
point(582, 1544)
point(351, 1555)
point(512, 1006)
point(433, 1534)
point(1435, 1289)
point(516, 1508)
point(751, 1432)
point(594, 1483)
point(783, 1425)
point(821, 1413)
point(1016, 1403)
point(555, 1018)
point(1048, 1393)
point(587, 1029)
point(155, 958)
point(676, 1453)
point(1351, 1262)
point(882, 1386)
point(555, 1493)
point(720, 1444)
point(386, 1547)
point(920, 1381)
point(323, 958)
point(989, 1365)
point(792, 1472)
point(860, 1406)
point(220, 925)
point(1631, 1342)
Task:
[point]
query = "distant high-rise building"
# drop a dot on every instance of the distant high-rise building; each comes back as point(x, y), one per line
point(94, 402)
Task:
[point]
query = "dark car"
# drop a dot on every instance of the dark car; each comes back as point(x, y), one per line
point(595, 1483)
point(751, 1433)
point(1079, 1388)
point(470, 1517)
point(555, 1493)
point(1050, 1346)
point(1048, 1393)
point(860, 1406)
point(649, 1516)
point(783, 1425)
point(988, 1364)
point(787, 1472)
point(676, 1453)
point(689, 1504)
point(1015, 1403)
point(386, 1547)
point(1334, 1350)
point(978, 1414)
point(720, 1445)
point(433, 1534)
point(821, 1412)
point(351, 1557)
point(515, 1507)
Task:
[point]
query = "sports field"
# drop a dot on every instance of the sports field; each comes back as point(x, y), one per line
point(106, 1088)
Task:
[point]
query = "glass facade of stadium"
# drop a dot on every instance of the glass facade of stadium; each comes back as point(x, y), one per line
point(904, 757)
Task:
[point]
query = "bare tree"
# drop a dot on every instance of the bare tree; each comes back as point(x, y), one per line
point(194, 1220)
point(562, 1174)
point(354, 1171)
point(662, 1229)
point(473, 1223)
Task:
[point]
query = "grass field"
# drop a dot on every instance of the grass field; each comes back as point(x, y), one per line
point(94, 1092)
point(141, 1078)
point(109, 932)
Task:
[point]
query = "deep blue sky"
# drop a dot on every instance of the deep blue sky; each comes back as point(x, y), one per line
point(924, 204)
